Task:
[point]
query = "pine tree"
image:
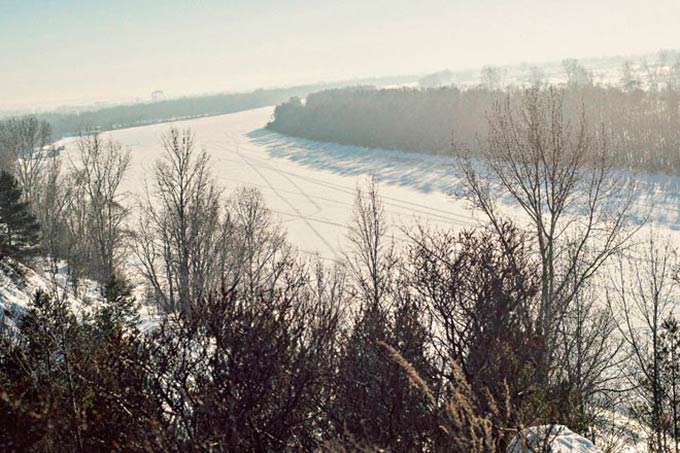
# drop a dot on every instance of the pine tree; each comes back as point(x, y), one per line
point(19, 229)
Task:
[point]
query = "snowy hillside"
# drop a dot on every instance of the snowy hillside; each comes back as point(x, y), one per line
point(19, 284)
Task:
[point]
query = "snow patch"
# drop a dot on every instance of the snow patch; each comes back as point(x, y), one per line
point(552, 438)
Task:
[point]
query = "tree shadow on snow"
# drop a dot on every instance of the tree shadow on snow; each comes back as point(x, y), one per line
point(422, 172)
point(656, 196)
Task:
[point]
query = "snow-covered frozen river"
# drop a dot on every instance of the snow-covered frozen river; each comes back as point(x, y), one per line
point(310, 185)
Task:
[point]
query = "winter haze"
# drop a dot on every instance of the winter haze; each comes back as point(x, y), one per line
point(382, 226)
point(60, 52)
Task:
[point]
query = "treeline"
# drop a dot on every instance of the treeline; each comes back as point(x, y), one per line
point(122, 116)
point(644, 124)
point(406, 118)
point(445, 341)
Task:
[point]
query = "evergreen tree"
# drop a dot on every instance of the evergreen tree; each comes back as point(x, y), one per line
point(120, 311)
point(18, 226)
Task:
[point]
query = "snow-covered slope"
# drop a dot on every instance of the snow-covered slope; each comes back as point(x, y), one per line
point(19, 284)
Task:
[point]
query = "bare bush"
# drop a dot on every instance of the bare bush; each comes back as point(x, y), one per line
point(246, 372)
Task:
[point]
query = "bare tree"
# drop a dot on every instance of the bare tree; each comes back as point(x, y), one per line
point(381, 313)
point(372, 257)
point(256, 254)
point(22, 151)
point(180, 228)
point(536, 76)
point(493, 77)
point(562, 180)
point(577, 74)
point(644, 295)
point(590, 355)
point(51, 204)
point(100, 170)
point(629, 79)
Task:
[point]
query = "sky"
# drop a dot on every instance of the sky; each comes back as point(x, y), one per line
point(55, 52)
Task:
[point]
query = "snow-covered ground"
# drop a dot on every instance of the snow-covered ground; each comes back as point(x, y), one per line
point(19, 284)
point(555, 438)
point(310, 185)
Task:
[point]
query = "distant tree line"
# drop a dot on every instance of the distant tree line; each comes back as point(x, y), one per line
point(137, 114)
point(121, 116)
point(644, 124)
point(406, 118)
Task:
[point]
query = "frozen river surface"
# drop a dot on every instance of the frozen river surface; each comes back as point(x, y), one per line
point(310, 185)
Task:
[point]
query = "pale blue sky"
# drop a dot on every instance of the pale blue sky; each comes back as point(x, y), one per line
point(67, 51)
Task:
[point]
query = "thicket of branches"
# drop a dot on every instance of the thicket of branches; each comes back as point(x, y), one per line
point(444, 341)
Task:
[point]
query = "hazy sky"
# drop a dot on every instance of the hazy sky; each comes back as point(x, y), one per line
point(66, 51)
